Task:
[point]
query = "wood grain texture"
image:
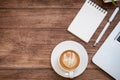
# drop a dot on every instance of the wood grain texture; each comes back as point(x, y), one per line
point(30, 29)
point(36, 18)
point(26, 48)
point(45, 74)
point(49, 3)
point(40, 3)
point(42, 18)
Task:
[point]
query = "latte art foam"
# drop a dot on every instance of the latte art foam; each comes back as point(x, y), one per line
point(69, 60)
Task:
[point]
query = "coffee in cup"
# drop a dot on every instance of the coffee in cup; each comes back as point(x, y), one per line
point(69, 60)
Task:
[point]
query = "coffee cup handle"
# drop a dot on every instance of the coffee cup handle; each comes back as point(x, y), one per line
point(70, 74)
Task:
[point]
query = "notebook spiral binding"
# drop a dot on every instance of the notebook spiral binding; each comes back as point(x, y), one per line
point(97, 6)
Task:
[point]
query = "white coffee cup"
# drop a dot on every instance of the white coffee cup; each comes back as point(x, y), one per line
point(69, 61)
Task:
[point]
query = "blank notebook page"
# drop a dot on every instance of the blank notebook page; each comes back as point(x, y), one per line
point(87, 20)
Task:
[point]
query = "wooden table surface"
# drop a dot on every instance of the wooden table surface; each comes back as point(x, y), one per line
point(30, 29)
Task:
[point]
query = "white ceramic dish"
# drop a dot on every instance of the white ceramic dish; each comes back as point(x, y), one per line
point(69, 45)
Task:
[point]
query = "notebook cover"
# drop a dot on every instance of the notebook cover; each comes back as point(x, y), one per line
point(87, 21)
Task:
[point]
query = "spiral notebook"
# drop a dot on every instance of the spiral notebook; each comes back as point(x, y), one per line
point(87, 20)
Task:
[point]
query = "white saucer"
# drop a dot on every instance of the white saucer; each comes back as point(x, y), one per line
point(69, 45)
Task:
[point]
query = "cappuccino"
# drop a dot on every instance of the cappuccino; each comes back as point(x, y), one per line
point(69, 60)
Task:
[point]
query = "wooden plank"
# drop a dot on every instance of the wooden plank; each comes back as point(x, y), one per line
point(40, 3)
point(36, 18)
point(49, 74)
point(41, 74)
point(94, 74)
point(31, 48)
point(49, 3)
point(42, 18)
